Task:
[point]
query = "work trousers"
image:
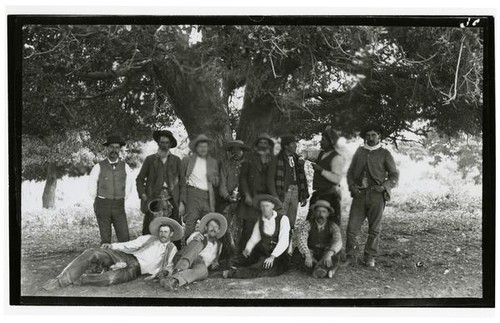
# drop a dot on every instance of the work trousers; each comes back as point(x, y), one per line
point(189, 266)
point(103, 258)
point(111, 212)
point(291, 203)
point(253, 266)
point(368, 204)
point(197, 205)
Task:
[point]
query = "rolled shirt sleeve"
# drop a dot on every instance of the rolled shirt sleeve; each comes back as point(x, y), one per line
point(302, 237)
point(334, 175)
point(129, 181)
point(254, 238)
point(93, 178)
point(131, 245)
point(283, 238)
point(336, 243)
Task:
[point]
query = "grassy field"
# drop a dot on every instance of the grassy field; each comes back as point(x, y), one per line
point(431, 245)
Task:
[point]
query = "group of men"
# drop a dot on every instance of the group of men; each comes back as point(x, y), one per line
point(242, 210)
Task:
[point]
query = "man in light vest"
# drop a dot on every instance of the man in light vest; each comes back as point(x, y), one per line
point(110, 183)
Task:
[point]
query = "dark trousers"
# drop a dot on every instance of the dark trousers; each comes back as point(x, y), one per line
point(148, 218)
point(197, 205)
point(231, 240)
point(253, 266)
point(103, 258)
point(332, 198)
point(298, 260)
point(369, 204)
point(111, 212)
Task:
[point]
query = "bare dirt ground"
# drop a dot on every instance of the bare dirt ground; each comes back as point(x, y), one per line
point(423, 254)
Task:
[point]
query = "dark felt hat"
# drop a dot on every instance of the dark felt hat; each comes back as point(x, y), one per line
point(287, 139)
point(214, 216)
point(165, 133)
point(323, 203)
point(265, 136)
point(114, 139)
point(371, 127)
point(155, 225)
point(235, 144)
point(198, 139)
point(266, 197)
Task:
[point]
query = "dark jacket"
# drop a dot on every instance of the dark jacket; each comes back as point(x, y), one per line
point(150, 178)
point(253, 176)
point(381, 167)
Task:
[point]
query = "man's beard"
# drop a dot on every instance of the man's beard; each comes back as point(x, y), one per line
point(113, 155)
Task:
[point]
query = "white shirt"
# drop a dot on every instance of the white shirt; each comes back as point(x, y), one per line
point(198, 177)
point(94, 177)
point(269, 226)
point(209, 253)
point(150, 257)
point(334, 174)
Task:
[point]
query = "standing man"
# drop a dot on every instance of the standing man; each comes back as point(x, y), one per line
point(319, 242)
point(109, 185)
point(125, 261)
point(161, 178)
point(202, 176)
point(371, 176)
point(200, 254)
point(287, 180)
point(265, 252)
point(253, 181)
point(328, 166)
point(230, 171)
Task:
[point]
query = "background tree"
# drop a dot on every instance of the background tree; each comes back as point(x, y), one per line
point(95, 79)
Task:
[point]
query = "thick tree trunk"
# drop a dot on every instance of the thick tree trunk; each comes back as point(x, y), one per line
point(49, 192)
point(256, 118)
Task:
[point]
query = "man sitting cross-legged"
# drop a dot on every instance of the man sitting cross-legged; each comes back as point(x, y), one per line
point(319, 242)
point(265, 252)
point(149, 254)
point(201, 253)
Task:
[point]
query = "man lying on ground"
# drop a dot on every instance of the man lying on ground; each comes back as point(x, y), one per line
point(201, 253)
point(149, 254)
point(319, 242)
point(265, 252)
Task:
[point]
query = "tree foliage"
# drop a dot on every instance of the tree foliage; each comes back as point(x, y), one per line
point(98, 79)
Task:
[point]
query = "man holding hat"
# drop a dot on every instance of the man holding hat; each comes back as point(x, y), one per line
point(125, 261)
point(371, 176)
point(287, 179)
point(265, 253)
point(253, 181)
point(160, 182)
point(109, 185)
point(201, 172)
point(319, 242)
point(201, 253)
point(328, 166)
point(229, 194)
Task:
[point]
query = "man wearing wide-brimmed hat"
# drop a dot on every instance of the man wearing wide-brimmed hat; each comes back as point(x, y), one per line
point(160, 182)
point(229, 193)
point(253, 181)
point(110, 183)
point(265, 252)
point(287, 179)
point(371, 176)
point(318, 242)
point(200, 254)
point(124, 261)
point(201, 172)
point(328, 164)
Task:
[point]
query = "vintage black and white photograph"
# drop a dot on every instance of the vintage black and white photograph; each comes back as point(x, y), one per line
point(252, 158)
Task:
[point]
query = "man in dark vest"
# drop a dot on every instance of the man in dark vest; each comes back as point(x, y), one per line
point(109, 184)
point(265, 254)
point(328, 166)
point(318, 242)
point(371, 176)
point(200, 254)
point(201, 172)
point(287, 180)
point(253, 181)
point(161, 181)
